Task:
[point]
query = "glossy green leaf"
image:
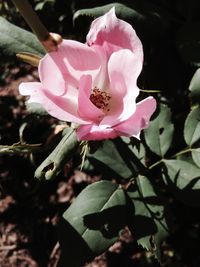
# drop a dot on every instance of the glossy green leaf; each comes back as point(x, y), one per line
point(121, 158)
point(183, 179)
point(92, 223)
point(36, 108)
point(61, 154)
point(136, 147)
point(194, 87)
point(148, 223)
point(15, 40)
point(196, 156)
point(144, 17)
point(139, 150)
point(183, 174)
point(108, 160)
point(192, 127)
point(42, 4)
point(122, 11)
point(159, 134)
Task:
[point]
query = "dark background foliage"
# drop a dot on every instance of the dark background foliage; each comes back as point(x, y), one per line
point(30, 209)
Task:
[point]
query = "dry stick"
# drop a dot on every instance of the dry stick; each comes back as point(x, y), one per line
point(50, 41)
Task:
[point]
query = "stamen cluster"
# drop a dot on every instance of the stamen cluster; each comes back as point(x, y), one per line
point(100, 99)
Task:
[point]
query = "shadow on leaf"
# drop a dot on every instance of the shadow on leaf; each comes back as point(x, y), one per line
point(140, 221)
point(130, 159)
point(149, 216)
point(109, 221)
point(143, 226)
point(188, 193)
point(74, 250)
point(105, 169)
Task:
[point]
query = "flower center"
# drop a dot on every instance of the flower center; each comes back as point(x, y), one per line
point(100, 99)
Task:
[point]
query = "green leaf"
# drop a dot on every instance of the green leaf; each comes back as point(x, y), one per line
point(15, 40)
point(139, 150)
point(196, 156)
point(108, 160)
point(121, 10)
point(192, 127)
point(148, 222)
point(40, 6)
point(183, 179)
point(188, 43)
point(159, 135)
point(92, 223)
point(136, 147)
point(116, 159)
point(194, 87)
point(36, 108)
point(62, 153)
point(121, 158)
point(183, 174)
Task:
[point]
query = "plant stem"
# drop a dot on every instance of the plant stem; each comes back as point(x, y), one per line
point(155, 164)
point(32, 19)
point(150, 91)
point(186, 150)
point(50, 41)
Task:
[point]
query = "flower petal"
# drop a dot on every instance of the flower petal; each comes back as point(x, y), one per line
point(62, 108)
point(139, 120)
point(114, 34)
point(101, 80)
point(86, 108)
point(95, 132)
point(123, 70)
point(51, 75)
point(67, 64)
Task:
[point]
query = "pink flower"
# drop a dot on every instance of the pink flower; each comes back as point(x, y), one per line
point(95, 84)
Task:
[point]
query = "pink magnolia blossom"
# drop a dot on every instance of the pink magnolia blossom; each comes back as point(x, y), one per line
point(95, 84)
